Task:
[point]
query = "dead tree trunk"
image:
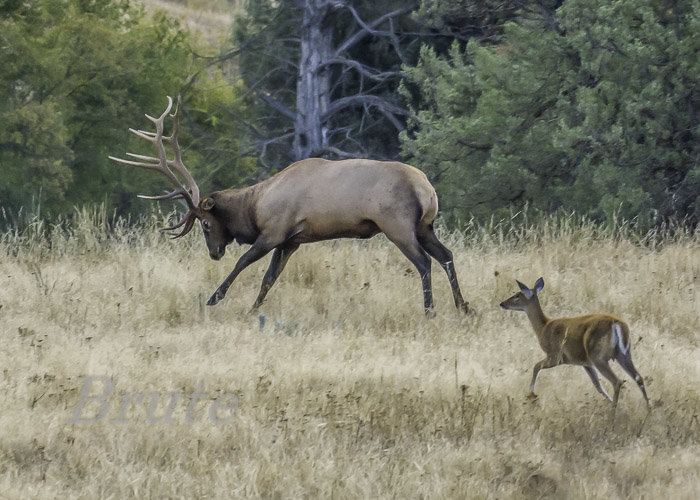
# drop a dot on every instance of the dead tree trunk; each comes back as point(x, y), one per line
point(329, 83)
point(314, 80)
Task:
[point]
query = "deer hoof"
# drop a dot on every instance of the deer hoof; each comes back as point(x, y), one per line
point(532, 396)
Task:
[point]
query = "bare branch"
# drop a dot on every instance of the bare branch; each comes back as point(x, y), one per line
point(340, 153)
point(395, 42)
point(266, 143)
point(275, 104)
point(364, 69)
point(389, 116)
point(386, 108)
point(367, 29)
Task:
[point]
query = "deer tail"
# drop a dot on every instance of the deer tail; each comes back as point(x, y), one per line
point(618, 340)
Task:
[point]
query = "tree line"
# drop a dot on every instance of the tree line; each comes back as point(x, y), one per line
point(574, 105)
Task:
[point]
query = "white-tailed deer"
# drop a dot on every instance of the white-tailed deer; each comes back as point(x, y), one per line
point(590, 341)
point(311, 200)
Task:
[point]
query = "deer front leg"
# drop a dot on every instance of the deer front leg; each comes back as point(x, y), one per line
point(548, 362)
point(255, 252)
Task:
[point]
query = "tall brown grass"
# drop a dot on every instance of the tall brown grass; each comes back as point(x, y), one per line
point(344, 389)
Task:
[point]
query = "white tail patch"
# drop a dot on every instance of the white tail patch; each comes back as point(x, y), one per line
point(617, 339)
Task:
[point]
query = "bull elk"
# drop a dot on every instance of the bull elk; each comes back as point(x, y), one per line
point(311, 200)
point(590, 341)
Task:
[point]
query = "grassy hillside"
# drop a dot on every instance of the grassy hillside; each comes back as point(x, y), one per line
point(344, 389)
point(210, 19)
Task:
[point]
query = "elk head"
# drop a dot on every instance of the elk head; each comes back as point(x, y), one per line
point(215, 233)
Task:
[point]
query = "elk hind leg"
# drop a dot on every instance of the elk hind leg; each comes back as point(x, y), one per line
point(280, 257)
point(407, 242)
point(431, 244)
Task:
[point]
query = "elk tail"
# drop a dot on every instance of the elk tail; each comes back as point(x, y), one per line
point(427, 203)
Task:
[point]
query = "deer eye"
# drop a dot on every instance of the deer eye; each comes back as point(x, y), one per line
point(205, 224)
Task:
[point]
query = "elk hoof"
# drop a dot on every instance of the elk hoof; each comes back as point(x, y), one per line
point(465, 308)
point(430, 313)
point(214, 299)
point(532, 396)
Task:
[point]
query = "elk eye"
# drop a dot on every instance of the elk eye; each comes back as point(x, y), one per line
point(205, 225)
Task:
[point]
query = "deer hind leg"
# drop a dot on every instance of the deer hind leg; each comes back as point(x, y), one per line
point(407, 242)
point(605, 370)
point(430, 243)
point(625, 361)
point(594, 378)
point(280, 257)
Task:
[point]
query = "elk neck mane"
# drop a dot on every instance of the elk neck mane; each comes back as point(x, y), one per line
point(235, 208)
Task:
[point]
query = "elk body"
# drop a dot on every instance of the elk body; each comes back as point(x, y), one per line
point(311, 200)
point(590, 341)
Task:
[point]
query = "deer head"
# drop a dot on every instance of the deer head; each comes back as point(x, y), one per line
point(525, 299)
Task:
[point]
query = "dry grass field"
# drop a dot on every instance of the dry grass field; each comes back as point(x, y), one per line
point(344, 389)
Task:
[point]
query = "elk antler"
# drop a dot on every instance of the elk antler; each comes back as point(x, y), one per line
point(190, 193)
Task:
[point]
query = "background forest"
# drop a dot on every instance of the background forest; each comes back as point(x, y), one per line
point(587, 106)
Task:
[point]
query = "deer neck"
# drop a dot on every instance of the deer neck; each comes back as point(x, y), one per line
point(537, 318)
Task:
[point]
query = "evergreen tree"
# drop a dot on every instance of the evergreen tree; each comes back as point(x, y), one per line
point(76, 75)
point(591, 109)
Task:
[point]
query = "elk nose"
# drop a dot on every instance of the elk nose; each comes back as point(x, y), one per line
point(217, 253)
point(503, 305)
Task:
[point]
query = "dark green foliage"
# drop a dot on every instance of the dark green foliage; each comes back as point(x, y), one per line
point(592, 110)
point(585, 106)
point(76, 75)
point(72, 84)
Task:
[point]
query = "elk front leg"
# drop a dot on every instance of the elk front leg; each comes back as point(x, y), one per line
point(279, 260)
point(255, 252)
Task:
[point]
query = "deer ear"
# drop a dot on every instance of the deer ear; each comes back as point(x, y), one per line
point(207, 203)
point(539, 285)
point(525, 290)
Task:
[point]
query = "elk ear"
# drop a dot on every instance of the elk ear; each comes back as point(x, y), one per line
point(207, 203)
point(539, 285)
